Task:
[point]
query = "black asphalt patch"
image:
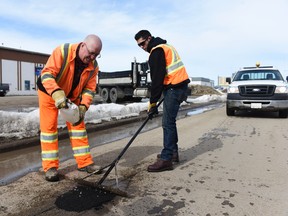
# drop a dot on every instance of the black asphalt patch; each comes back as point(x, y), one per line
point(83, 198)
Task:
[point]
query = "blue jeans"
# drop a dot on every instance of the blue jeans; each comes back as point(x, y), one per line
point(173, 97)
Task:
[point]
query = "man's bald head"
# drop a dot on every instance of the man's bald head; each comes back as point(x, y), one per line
point(94, 43)
point(90, 48)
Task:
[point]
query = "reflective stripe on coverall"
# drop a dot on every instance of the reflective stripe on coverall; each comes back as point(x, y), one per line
point(83, 93)
point(176, 72)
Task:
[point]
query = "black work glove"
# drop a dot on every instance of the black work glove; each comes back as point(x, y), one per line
point(152, 110)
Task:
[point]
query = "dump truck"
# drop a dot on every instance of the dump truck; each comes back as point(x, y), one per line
point(4, 88)
point(133, 84)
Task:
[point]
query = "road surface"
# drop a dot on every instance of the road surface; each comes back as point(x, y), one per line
point(19, 102)
point(228, 166)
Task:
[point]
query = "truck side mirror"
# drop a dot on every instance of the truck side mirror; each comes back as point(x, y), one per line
point(228, 80)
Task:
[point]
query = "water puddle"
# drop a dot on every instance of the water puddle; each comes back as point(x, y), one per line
point(202, 110)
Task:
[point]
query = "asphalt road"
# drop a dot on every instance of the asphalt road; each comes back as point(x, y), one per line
point(9, 103)
point(18, 102)
point(228, 166)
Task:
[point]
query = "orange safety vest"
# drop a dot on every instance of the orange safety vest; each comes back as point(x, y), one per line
point(175, 70)
point(59, 71)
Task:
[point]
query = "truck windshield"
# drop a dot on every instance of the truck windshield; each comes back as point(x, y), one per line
point(258, 75)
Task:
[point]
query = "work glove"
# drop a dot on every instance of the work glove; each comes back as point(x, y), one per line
point(60, 99)
point(82, 110)
point(152, 110)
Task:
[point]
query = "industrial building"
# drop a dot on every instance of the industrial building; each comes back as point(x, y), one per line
point(222, 81)
point(20, 68)
point(201, 81)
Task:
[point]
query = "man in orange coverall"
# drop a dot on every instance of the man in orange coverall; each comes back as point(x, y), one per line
point(70, 73)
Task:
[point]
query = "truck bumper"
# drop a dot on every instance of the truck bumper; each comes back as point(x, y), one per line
point(265, 105)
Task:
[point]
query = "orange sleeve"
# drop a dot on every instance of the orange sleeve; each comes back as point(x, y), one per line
point(89, 90)
point(51, 70)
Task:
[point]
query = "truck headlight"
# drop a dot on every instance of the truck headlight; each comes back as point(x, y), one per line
point(232, 89)
point(281, 89)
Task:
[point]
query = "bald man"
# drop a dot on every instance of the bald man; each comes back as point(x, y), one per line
point(69, 75)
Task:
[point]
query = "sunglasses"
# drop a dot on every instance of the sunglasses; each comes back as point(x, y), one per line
point(142, 43)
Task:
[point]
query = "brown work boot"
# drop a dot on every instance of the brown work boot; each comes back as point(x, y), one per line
point(175, 157)
point(52, 175)
point(91, 168)
point(160, 165)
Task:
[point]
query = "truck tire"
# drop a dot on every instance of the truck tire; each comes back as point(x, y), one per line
point(229, 111)
point(105, 95)
point(113, 94)
point(283, 113)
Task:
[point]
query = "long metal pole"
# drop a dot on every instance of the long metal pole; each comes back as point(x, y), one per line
point(125, 149)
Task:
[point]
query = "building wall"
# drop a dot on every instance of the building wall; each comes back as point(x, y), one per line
point(20, 68)
point(222, 81)
point(19, 75)
point(28, 76)
point(10, 74)
point(201, 81)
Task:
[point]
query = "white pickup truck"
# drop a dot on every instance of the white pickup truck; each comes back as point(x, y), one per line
point(257, 88)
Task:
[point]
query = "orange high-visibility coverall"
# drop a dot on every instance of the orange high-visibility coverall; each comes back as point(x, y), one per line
point(83, 94)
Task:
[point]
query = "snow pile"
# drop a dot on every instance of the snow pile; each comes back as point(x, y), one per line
point(26, 124)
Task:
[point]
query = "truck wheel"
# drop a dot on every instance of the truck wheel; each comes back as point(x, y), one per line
point(105, 95)
point(283, 113)
point(229, 111)
point(113, 95)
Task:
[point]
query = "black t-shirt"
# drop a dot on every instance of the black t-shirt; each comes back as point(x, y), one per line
point(79, 68)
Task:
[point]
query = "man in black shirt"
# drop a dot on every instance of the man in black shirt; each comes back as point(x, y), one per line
point(169, 77)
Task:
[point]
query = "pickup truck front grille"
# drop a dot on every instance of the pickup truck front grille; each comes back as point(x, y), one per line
point(257, 90)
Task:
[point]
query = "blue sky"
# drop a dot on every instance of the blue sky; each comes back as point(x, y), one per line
point(213, 37)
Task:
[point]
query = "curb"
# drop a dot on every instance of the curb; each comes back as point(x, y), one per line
point(14, 144)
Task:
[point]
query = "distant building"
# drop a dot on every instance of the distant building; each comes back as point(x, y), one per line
point(222, 81)
point(20, 68)
point(201, 81)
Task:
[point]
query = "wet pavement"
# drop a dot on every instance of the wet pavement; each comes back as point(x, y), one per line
point(21, 161)
point(228, 166)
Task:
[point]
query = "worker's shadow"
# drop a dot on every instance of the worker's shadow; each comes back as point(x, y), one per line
point(135, 154)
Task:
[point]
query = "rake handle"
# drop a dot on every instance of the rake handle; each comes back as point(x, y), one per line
point(126, 147)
